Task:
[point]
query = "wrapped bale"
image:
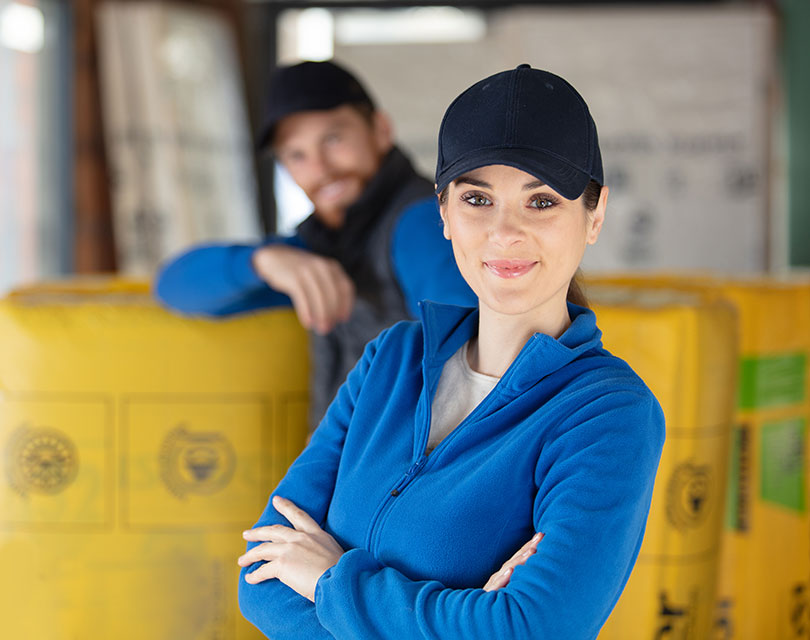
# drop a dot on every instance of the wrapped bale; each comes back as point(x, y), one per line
point(684, 348)
point(136, 446)
point(763, 589)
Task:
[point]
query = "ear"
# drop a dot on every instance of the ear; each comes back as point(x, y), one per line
point(383, 131)
point(597, 217)
point(443, 214)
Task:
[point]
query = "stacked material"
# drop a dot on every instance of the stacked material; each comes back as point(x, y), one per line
point(176, 129)
point(684, 348)
point(135, 446)
point(765, 566)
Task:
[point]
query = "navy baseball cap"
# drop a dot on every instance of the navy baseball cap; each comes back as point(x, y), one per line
point(525, 118)
point(308, 86)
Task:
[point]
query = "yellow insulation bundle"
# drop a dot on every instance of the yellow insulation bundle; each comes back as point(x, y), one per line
point(135, 446)
point(765, 569)
point(684, 348)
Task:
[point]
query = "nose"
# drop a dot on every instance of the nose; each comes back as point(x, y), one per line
point(506, 229)
point(318, 167)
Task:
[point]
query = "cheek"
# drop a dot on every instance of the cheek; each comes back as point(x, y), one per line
point(301, 173)
point(358, 157)
point(466, 249)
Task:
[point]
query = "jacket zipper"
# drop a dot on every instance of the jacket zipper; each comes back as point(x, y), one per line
point(387, 503)
point(373, 530)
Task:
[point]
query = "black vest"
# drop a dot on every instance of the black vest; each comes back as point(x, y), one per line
point(363, 247)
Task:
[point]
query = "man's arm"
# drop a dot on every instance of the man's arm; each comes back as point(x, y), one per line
point(218, 280)
point(221, 280)
point(423, 259)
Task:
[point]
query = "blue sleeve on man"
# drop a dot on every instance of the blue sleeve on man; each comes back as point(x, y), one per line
point(218, 280)
point(423, 259)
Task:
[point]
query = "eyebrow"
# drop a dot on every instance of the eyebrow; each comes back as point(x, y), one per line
point(534, 184)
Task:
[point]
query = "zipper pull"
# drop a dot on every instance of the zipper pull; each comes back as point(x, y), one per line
point(416, 466)
point(411, 472)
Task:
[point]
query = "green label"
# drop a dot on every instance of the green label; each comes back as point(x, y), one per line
point(782, 463)
point(772, 381)
point(738, 492)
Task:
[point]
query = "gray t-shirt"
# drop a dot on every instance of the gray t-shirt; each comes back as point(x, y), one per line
point(460, 391)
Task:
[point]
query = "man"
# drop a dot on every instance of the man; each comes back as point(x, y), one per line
point(371, 250)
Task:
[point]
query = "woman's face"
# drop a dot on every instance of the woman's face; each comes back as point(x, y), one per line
point(517, 242)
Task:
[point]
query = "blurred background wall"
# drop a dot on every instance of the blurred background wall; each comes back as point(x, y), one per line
point(126, 128)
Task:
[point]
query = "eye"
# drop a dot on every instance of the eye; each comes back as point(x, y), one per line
point(543, 202)
point(292, 157)
point(332, 138)
point(476, 199)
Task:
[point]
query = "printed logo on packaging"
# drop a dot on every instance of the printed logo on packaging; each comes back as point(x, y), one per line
point(676, 620)
point(199, 463)
point(40, 460)
point(688, 495)
point(723, 620)
point(799, 611)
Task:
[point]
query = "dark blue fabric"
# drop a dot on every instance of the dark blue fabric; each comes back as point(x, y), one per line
point(567, 443)
point(526, 118)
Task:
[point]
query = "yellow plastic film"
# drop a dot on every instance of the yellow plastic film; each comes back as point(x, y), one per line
point(684, 348)
point(765, 566)
point(136, 446)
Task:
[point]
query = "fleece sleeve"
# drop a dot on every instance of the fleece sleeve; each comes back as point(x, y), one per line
point(594, 488)
point(218, 280)
point(278, 611)
point(423, 260)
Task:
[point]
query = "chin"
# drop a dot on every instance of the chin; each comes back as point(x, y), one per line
point(508, 306)
point(516, 303)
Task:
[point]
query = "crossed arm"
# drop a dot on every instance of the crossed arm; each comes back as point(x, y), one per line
point(299, 555)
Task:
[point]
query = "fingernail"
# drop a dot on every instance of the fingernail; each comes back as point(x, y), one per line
point(537, 536)
point(525, 554)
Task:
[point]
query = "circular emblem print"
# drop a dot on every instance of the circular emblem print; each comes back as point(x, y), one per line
point(196, 463)
point(40, 460)
point(688, 494)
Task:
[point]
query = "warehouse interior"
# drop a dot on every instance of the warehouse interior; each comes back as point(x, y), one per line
point(137, 442)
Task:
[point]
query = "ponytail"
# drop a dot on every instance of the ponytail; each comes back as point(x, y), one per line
point(576, 295)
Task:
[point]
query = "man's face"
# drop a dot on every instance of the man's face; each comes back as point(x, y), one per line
point(332, 155)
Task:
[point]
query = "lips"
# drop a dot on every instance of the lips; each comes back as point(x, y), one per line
point(333, 190)
point(509, 268)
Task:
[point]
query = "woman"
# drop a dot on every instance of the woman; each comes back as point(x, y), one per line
point(456, 440)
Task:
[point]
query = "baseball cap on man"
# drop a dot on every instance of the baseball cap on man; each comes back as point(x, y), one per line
point(308, 86)
point(525, 118)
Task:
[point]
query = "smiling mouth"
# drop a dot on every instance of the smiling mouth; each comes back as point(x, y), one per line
point(333, 190)
point(510, 268)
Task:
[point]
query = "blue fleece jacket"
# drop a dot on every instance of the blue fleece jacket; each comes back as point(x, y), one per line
point(567, 443)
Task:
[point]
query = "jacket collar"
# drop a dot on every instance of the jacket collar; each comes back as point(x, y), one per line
point(446, 328)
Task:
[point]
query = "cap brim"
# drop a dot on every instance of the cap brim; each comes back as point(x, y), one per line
point(568, 181)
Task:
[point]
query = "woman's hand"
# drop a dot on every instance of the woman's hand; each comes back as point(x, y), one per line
point(298, 557)
point(500, 578)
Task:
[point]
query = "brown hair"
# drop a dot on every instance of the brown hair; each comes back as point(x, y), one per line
point(590, 198)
